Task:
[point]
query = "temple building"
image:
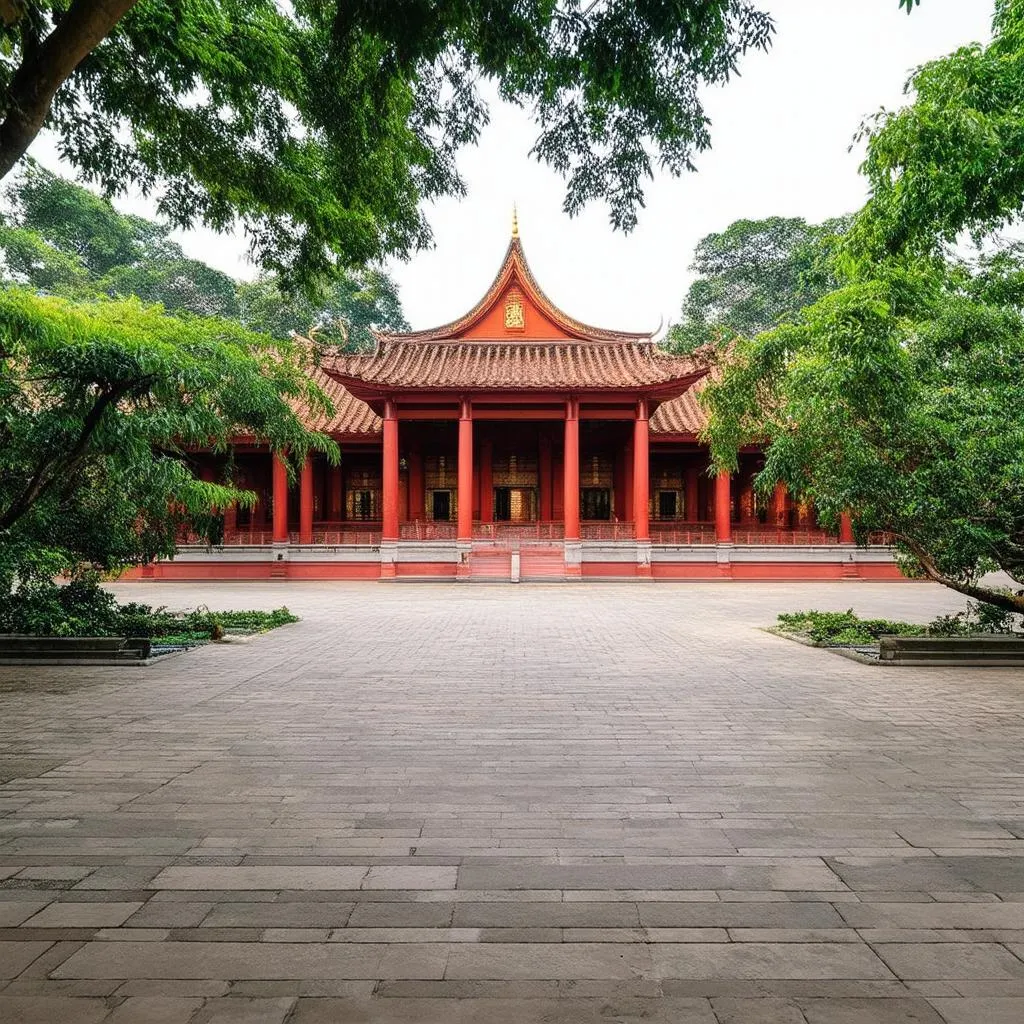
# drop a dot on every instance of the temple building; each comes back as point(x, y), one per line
point(514, 443)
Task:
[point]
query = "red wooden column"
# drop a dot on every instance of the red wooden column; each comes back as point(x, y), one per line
point(487, 481)
point(306, 502)
point(280, 484)
point(390, 473)
point(417, 491)
point(779, 506)
point(335, 495)
point(845, 529)
point(691, 511)
point(641, 472)
point(545, 481)
point(571, 471)
point(465, 528)
point(723, 509)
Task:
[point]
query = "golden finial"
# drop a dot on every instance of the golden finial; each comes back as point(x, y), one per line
point(515, 222)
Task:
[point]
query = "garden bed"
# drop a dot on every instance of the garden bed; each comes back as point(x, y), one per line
point(979, 636)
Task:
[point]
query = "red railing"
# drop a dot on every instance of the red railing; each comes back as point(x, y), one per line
point(518, 531)
point(775, 537)
point(664, 532)
point(682, 533)
point(427, 530)
point(601, 530)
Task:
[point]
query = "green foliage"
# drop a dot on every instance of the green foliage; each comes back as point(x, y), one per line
point(753, 276)
point(343, 313)
point(844, 628)
point(953, 159)
point(37, 605)
point(61, 239)
point(322, 127)
point(100, 403)
point(900, 395)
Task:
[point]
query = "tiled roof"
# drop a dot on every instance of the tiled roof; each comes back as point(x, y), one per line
point(682, 415)
point(350, 415)
point(518, 366)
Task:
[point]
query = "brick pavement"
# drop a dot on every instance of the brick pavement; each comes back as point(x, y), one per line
point(442, 803)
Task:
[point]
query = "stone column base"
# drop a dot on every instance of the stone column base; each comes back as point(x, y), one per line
point(573, 559)
point(643, 559)
point(388, 558)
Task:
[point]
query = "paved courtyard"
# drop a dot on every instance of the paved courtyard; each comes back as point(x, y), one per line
point(440, 803)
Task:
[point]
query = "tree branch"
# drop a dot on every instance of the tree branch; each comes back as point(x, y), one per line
point(1008, 602)
point(46, 67)
point(52, 470)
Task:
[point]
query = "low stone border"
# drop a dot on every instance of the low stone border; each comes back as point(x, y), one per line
point(859, 654)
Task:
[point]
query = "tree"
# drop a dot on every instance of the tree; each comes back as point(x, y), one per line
point(953, 159)
point(100, 404)
point(344, 313)
point(753, 275)
point(322, 126)
point(900, 395)
point(60, 238)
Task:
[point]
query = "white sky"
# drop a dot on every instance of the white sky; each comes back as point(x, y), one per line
point(780, 136)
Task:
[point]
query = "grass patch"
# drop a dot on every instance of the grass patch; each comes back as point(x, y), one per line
point(844, 629)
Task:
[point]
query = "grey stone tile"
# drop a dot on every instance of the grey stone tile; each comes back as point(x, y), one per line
point(870, 1011)
point(545, 961)
point(288, 877)
point(82, 915)
point(13, 912)
point(545, 915)
point(981, 1010)
point(155, 1010)
point(756, 960)
point(51, 1009)
point(246, 1011)
point(950, 960)
point(251, 960)
point(16, 956)
point(279, 915)
point(759, 1010)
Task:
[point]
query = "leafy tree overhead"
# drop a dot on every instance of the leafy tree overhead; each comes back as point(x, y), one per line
point(953, 159)
point(99, 406)
point(321, 126)
point(60, 238)
point(753, 275)
point(343, 313)
point(900, 395)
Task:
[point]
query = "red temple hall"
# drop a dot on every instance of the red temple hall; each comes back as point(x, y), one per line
point(514, 443)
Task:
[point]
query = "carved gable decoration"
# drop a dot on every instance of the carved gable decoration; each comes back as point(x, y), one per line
point(515, 312)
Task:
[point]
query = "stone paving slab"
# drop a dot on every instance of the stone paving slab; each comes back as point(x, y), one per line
point(515, 804)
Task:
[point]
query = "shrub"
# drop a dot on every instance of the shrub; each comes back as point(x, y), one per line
point(37, 605)
point(844, 628)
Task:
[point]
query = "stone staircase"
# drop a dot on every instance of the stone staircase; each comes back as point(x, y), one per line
point(541, 563)
point(490, 563)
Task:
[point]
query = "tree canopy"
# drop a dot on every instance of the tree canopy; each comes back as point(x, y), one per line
point(753, 275)
point(321, 126)
point(899, 396)
point(58, 237)
point(100, 404)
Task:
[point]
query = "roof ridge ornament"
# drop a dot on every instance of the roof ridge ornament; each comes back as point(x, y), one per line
point(515, 221)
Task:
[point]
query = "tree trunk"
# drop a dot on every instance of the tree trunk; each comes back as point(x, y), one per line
point(1008, 602)
point(45, 67)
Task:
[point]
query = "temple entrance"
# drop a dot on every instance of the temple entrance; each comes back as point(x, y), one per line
point(441, 506)
point(596, 503)
point(515, 504)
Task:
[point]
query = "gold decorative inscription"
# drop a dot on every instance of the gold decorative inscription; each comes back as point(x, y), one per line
point(515, 316)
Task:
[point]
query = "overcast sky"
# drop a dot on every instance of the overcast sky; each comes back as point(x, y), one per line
point(780, 137)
